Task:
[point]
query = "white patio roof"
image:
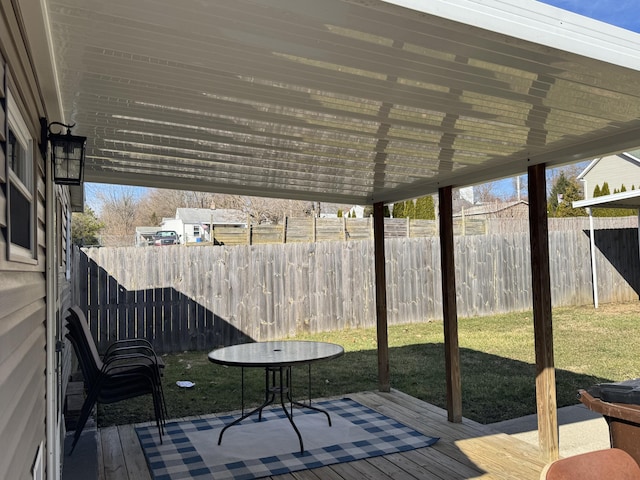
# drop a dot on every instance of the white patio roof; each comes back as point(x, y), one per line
point(629, 199)
point(357, 101)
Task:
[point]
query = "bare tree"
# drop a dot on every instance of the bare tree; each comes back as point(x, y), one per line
point(486, 192)
point(264, 210)
point(162, 203)
point(120, 213)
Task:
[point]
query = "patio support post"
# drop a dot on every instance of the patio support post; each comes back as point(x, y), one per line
point(449, 307)
point(543, 329)
point(384, 384)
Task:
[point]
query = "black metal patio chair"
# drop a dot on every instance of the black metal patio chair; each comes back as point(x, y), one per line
point(128, 369)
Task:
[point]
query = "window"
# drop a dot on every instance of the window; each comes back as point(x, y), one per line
point(196, 230)
point(20, 187)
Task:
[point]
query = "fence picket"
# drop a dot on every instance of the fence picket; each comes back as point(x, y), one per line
point(203, 297)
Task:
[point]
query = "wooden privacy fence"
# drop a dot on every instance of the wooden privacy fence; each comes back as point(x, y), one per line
point(312, 229)
point(203, 297)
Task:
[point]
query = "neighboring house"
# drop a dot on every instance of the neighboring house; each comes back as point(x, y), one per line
point(330, 210)
point(515, 209)
point(616, 170)
point(194, 224)
point(144, 236)
point(356, 211)
point(468, 194)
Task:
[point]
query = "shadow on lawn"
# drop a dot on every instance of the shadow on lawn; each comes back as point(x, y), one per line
point(608, 243)
point(494, 388)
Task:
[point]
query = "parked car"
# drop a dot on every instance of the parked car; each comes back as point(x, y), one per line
point(166, 237)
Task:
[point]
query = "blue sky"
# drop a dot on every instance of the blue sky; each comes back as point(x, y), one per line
point(621, 13)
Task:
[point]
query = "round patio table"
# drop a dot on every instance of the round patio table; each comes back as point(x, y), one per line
point(276, 358)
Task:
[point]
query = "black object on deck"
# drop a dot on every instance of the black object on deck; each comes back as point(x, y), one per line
point(619, 403)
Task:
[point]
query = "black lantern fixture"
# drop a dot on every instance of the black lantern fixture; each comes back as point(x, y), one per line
point(67, 154)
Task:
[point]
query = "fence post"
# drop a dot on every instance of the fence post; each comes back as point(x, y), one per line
point(463, 223)
point(313, 226)
point(284, 230)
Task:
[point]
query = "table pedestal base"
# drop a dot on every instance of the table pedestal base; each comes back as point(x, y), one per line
point(280, 386)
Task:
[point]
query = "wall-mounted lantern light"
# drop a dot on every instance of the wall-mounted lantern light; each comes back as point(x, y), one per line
point(67, 154)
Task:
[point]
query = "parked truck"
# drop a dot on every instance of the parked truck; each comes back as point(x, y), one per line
point(166, 237)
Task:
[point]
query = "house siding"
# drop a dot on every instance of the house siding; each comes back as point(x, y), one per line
point(616, 170)
point(22, 371)
point(23, 285)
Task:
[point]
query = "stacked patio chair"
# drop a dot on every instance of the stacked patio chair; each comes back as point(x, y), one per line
point(129, 368)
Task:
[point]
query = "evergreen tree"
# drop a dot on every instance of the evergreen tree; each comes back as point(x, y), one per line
point(420, 212)
point(409, 209)
point(398, 210)
point(563, 193)
point(386, 212)
point(611, 212)
point(425, 208)
point(85, 228)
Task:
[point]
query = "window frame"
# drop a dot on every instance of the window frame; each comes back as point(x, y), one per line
point(16, 123)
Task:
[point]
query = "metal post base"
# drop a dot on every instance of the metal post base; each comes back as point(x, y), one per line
point(281, 387)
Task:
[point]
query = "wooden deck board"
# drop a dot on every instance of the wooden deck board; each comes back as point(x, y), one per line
point(135, 463)
point(113, 456)
point(466, 450)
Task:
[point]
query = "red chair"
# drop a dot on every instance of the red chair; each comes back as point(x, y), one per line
point(610, 464)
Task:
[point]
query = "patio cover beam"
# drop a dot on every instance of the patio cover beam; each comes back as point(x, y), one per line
point(449, 306)
point(543, 329)
point(384, 382)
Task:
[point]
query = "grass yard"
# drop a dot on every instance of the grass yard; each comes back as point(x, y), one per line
point(497, 365)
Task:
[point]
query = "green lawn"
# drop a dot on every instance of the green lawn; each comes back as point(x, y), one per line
point(497, 365)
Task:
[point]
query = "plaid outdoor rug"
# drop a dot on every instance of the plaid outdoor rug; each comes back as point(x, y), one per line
point(255, 449)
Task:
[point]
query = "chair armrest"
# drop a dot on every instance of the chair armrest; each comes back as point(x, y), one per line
point(130, 360)
point(128, 342)
point(142, 350)
point(133, 345)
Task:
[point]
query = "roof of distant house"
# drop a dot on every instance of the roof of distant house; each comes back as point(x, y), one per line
point(218, 216)
point(490, 208)
point(146, 230)
point(632, 156)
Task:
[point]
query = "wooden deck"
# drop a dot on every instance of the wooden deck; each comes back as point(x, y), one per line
point(464, 451)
